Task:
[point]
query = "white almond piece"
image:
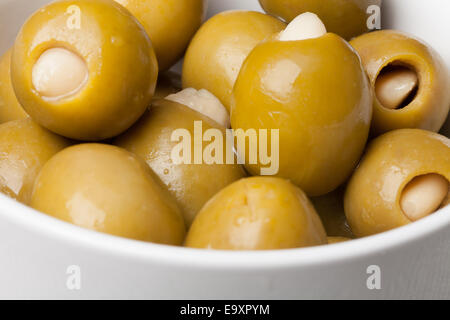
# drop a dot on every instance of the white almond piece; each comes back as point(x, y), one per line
point(393, 87)
point(305, 26)
point(59, 73)
point(204, 102)
point(423, 196)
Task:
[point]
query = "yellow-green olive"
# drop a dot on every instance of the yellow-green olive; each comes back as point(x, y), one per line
point(168, 82)
point(403, 177)
point(347, 18)
point(219, 48)
point(316, 93)
point(259, 213)
point(10, 108)
point(84, 69)
point(170, 25)
point(330, 208)
point(192, 184)
point(24, 149)
point(108, 189)
point(409, 78)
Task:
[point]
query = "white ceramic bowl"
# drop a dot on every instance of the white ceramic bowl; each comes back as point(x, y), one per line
point(37, 253)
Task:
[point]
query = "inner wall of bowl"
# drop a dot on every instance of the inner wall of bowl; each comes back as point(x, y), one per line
point(13, 13)
point(423, 19)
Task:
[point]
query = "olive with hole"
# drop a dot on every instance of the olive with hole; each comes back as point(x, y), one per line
point(180, 119)
point(216, 53)
point(259, 213)
point(330, 208)
point(347, 18)
point(410, 81)
point(10, 108)
point(110, 190)
point(24, 149)
point(170, 25)
point(403, 177)
point(84, 69)
point(310, 85)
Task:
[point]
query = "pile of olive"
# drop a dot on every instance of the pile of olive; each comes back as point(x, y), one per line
point(91, 119)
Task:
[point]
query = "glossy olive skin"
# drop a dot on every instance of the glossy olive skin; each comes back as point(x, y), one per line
point(259, 213)
point(219, 48)
point(10, 108)
point(170, 25)
point(347, 18)
point(372, 199)
point(430, 107)
point(168, 82)
point(191, 184)
point(108, 189)
point(24, 149)
point(330, 208)
point(120, 59)
point(323, 120)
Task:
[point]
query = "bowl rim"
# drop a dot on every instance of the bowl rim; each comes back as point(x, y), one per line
point(46, 226)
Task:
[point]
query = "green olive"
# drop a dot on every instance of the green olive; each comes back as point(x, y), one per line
point(107, 189)
point(219, 48)
point(169, 23)
point(403, 177)
point(84, 69)
point(191, 184)
point(347, 18)
point(24, 149)
point(330, 208)
point(168, 82)
point(259, 213)
point(316, 93)
point(409, 78)
point(10, 108)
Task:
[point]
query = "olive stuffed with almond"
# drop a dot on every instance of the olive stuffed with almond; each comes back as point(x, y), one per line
point(403, 177)
point(347, 18)
point(319, 100)
point(84, 69)
point(410, 81)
